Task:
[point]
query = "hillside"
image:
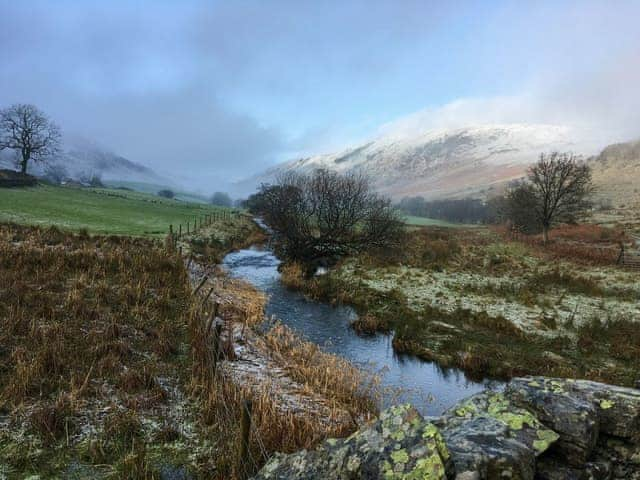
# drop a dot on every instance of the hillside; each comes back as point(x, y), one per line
point(99, 210)
point(444, 163)
point(81, 158)
point(616, 172)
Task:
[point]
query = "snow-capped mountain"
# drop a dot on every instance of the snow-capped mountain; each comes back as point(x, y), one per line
point(82, 158)
point(445, 163)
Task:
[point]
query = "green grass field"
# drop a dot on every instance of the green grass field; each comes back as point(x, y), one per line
point(99, 210)
point(431, 222)
point(154, 188)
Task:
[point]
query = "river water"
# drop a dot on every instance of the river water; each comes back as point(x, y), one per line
point(428, 387)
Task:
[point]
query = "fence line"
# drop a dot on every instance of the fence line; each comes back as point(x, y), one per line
point(204, 220)
point(245, 465)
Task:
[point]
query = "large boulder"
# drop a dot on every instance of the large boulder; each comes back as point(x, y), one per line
point(580, 411)
point(618, 407)
point(491, 437)
point(399, 445)
point(574, 418)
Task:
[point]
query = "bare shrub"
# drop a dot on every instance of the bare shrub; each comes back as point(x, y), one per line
point(321, 217)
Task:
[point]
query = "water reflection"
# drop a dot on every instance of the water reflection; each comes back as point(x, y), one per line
point(429, 387)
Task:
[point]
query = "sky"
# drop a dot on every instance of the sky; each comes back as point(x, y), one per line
point(213, 91)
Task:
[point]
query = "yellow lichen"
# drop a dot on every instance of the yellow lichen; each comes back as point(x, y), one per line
point(606, 404)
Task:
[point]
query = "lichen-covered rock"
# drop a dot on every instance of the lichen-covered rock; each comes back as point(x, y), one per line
point(573, 417)
point(399, 445)
point(491, 436)
point(618, 407)
point(553, 468)
point(623, 456)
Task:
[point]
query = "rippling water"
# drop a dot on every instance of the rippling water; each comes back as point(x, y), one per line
point(406, 379)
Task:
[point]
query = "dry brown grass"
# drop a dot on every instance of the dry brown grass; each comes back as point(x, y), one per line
point(275, 428)
point(583, 243)
point(331, 376)
point(292, 275)
point(96, 333)
point(86, 323)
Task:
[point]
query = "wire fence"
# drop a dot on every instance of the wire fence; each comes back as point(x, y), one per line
point(236, 413)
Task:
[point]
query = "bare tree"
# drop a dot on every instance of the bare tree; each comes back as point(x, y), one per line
point(29, 132)
point(321, 217)
point(560, 186)
point(517, 208)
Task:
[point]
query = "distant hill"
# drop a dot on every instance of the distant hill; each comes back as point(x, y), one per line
point(154, 188)
point(616, 173)
point(449, 163)
point(82, 158)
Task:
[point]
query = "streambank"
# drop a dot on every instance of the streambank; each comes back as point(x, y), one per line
point(430, 388)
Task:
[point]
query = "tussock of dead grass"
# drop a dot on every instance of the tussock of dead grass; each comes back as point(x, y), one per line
point(330, 375)
point(85, 323)
point(338, 383)
point(95, 332)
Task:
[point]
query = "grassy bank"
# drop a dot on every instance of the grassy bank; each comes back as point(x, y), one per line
point(94, 357)
point(106, 360)
point(491, 306)
point(431, 222)
point(99, 210)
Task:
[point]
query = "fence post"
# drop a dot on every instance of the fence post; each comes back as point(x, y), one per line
point(207, 296)
point(217, 338)
point(200, 285)
point(621, 255)
point(245, 429)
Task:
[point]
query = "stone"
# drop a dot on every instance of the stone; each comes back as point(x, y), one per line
point(552, 468)
point(572, 417)
point(399, 445)
point(618, 407)
point(489, 435)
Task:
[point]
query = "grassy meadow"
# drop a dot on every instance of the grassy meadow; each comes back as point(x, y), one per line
point(99, 210)
point(497, 306)
point(430, 222)
point(154, 188)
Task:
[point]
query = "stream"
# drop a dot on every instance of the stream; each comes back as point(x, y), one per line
point(428, 387)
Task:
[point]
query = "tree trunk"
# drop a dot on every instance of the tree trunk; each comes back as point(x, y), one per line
point(23, 164)
point(545, 233)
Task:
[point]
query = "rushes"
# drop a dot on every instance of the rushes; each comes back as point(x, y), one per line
point(85, 322)
point(100, 340)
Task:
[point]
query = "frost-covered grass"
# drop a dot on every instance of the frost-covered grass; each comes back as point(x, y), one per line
point(94, 358)
point(493, 306)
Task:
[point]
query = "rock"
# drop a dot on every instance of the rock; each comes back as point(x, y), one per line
point(494, 438)
point(618, 407)
point(552, 468)
point(574, 418)
point(400, 445)
point(468, 476)
point(621, 454)
point(539, 428)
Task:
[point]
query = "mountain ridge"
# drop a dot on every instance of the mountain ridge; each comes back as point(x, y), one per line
point(445, 163)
